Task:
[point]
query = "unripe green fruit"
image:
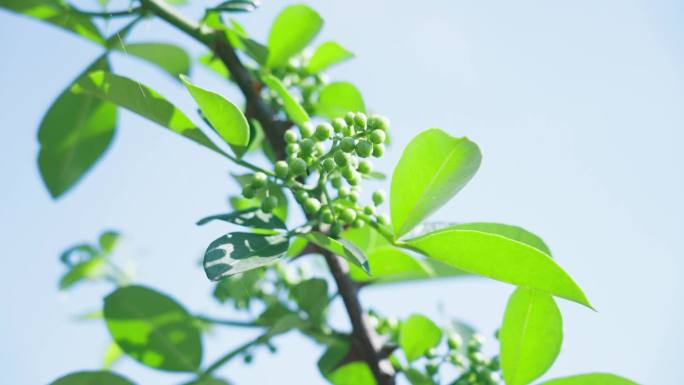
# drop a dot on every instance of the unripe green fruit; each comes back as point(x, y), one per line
point(307, 129)
point(365, 167)
point(354, 196)
point(430, 353)
point(292, 148)
point(297, 167)
point(340, 158)
point(364, 148)
point(360, 121)
point(348, 215)
point(336, 182)
point(349, 118)
point(327, 216)
point(378, 150)
point(319, 148)
point(339, 124)
point(312, 205)
point(476, 358)
point(301, 195)
point(343, 192)
point(369, 210)
point(329, 165)
point(348, 172)
point(383, 220)
point(306, 145)
point(454, 341)
point(431, 369)
point(248, 192)
point(324, 131)
point(475, 342)
point(348, 143)
point(457, 359)
point(377, 122)
point(354, 179)
point(378, 136)
point(348, 131)
point(268, 204)
point(336, 229)
point(259, 180)
point(357, 224)
point(495, 364)
point(290, 136)
point(281, 169)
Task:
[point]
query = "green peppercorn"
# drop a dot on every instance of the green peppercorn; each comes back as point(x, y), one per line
point(281, 169)
point(377, 122)
point(259, 180)
point(301, 195)
point(340, 158)
point(454, 341)
point(268, 204)
point(430, 353)
point(349, 118)
point(494, 363)
point(347, 144)
point(378, 150)
point(343, 192)
point(324, 131)
point(297, 166)
point(307, 129)
point(327, 216)
point(290, 136)
point(365, 167)
point(357, 224)
point(248, 192)
point(354, 196)
point(360, 121)
point(336, 182)
point(369, 210)
point(377, 136)
point(292, 148)
point(378, 197)
point(329, 165)
point(336, 229)
point(383, 220)
point(306, 145)
point(319, 148)
point(354, 179)
point(312, 205)
point(364, 148)
point(339, 124)
point(348, 131)
point(431, 369)
point(348, 172)
point(348, 215)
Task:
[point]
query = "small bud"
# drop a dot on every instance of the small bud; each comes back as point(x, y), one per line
point(292, 148)
point(349, 118)
point(329, 165)
point(290, 136)
point(343, 192)
point(378, 197)
point(336, 229)
point(312, 205)
point(369, 210)
point(297, 167)
point(348, 215)
point(336, 182)
point(378, 136)
point(357, 224)
point(365, 167)
point(354, 196)
point(364, 148)
point(281, 169)
point(360, 121)
point(339, 124)
point(268, 204)
point(323, 131)
point(431, 369)
point(307, 129)
point(383, 220)
point(348, 143)
point(378, 150)
point(248, 192)
point(327, 216)
point(259, 180)
point(307, 146)
point(301, 195)
point(377, 122)
point(340, 158)
point(454, 341)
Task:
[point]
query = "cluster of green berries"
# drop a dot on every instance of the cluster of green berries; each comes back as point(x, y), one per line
point(337, 153)
point(476, 368)
point(295, 75)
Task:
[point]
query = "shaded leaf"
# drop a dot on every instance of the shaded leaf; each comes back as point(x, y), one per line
point(446, 164)
point(112, 354)
point(153, 329)
point(339, 247)
point(90, 269)
point(418, 334)
point(237, 252)
point(171, 58)
point(143, 101)
point(338, 98)
point(108, 241)
point(332, 357)
point(416, 377)
point(233, 6)
point(293, 109)
point(240, 288)
point(214, 64)
point(73, 135)
point(291, 31)
point(57, 13)
point(252, 217)
point(591, 379)
point(326, 55)
point(499, 258)
point(101, 377)
point(531, 336)
point(311, 296)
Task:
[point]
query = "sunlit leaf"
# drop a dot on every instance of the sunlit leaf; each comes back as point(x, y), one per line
point(291, 31)
point(531, 336)
point(338, 98)
point(446, 164)
point(292, 108)
point(591, 379)
point(352, 373)
point(365, 238)
point(418, 334)
point(57, 13)
point(108, 241)
point(499, 258)
point(90, 269)
point(340, 247)
point(153, 329)
point(252, 217)
point(102, 377)
point(143, 101)
point(112, 354)
point(74, 134)
point(416, 377)
point(214, 64)
point(326, 55)
point(169, 57)
point(237, 252)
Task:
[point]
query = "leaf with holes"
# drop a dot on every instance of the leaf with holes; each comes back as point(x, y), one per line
point(237, 252)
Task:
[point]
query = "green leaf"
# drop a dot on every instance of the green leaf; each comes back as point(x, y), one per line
point(143, 101)
point(252, 217)
point(171, 58)
point(332, 357)
point(417, 377)
point(108, 241)
point(112, 354)
point(311, 296)
point(326, 55)
point(291, 31)
point(101, 377)
point(208, 381)
point(338, 98)
point(499, 258)
point(391, 265)
point(417, 335)
point(446, 164)
point(153, 329)
point(293, 109)
point(237, 252)
point(515, 233)
point(339, 247)
point(214, 64)
point(297, 246)
point(57, 13)
point(365, 238)
point(236, 6)
point(225, 117)
point(353, 373)
point(531, 336)
point(74, 134)
point(591, 379)
point(90, 269)
point(239, 288)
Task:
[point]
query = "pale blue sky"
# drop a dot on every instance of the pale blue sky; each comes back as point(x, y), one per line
point(578, 109)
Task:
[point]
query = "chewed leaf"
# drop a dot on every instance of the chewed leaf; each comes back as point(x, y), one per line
point(252, 217)
point(341, 247)
point(237, 252)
